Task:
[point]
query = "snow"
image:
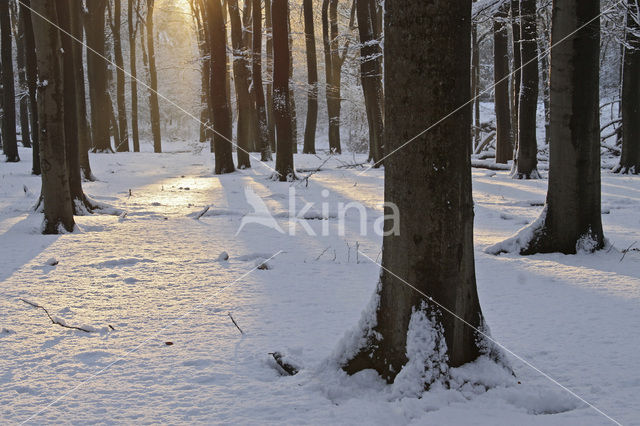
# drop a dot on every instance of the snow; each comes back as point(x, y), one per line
point(155, 275)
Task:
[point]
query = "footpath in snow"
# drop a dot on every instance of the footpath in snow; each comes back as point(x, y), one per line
point(154, 275)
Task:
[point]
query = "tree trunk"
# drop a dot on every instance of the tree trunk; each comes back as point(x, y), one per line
point(84, 132)
point(271, 121)
point(284, 155)
point(571, 220)
point(97, 75)
point(122, 144)
point(220, 108)
point(433, 247)
point(261, 111)
point(292, 97)
point(9, 138)
point(333, 66)
point(22, 83)
point(504, 147)
point(525, 165)
point(132, 23)
point(630, 159)
point(32, 82)
point(153, 81)
point(371, 76)
point(517, 71)
point(544, 46)
point(475, 83)
point(312, 80)
point(241, 74)
point(56, 198)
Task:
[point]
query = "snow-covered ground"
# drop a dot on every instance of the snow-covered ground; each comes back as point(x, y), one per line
point(154, 275)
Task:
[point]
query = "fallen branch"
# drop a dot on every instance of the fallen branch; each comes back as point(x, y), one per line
point(236, 324)
point(202, 213)
point(35, 305)
point(624, 252)
point(286, 367)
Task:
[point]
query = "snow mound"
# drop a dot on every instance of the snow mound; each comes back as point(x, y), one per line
point(520, 240)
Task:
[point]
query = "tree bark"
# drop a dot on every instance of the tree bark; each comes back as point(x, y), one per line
point(32, 82)
point(97, 75)
point(25, 132)
point(525, 165)
point(371, 76)
point(241, 74)
point(517, 71)
point(123, 143)
point(292, 97)
point(219, 100)
point(504, 146)
point(571, 220)
point(132, 23)
point(9, 138)
point(56, 198)
point(433, 248)
point(630, 158)
point(284, 155)
point(154, 107)
point(271, 121)
point(84, 131)
point(312, 80)
point(333, 67)
point(261, 110)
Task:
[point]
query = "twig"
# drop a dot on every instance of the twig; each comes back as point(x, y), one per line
point(286, 367)
point(624, 252)
point(323, 252)
point(236, 324)
point(203, 212)
point(35, 305)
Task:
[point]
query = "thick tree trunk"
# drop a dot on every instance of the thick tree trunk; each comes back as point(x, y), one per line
point(79, 202)
point(333, 67)
point(123, 142)
point(262, 139)
point(504, 146)
point(25, 132)
point(154, 107)
point(84, 132)
point(9, 138)
point(371, 76)
point(97, 75)
point(475, 83)
point(543, 46)
point(219, 100)
point(132, 23)
point(292, 97)
point(271, 120)
point(284, 155)
point(312, 80)
point(433, 247)
point(32, 82)
point(525, 165)
point(56, 198)
point(517, 71)
point(241, 74)
point(630, 159)
point(571, 221)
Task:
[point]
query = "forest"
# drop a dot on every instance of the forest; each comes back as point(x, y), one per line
point(320, 211)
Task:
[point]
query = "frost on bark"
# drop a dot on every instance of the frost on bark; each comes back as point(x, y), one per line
point(433, 249)
point(630, 158)
point(56, 197)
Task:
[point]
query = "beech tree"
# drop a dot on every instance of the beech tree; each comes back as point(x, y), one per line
point(55, 196)
point(122, 144)
point(284, 154)
point(501, 72)
point(97, 75)
point(571, 220)
point(262, 139)
point(630, 158)
point(433, 248)
point(133, 24)
point(312, 80)
point(525, 165)
point(25, 131)
point(153, 80)
point(516, 67)
point(9, 139)
point(32, 82)
point(218, 97)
